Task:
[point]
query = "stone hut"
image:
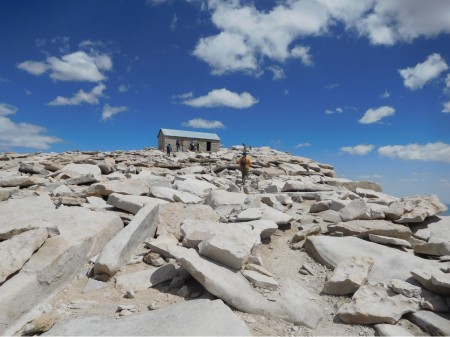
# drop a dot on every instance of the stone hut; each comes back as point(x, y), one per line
point(207, 142)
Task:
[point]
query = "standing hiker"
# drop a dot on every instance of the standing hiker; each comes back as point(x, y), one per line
point(169, 149)
point(178, 144)
point(244, 165)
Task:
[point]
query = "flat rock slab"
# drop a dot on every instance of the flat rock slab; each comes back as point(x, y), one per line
point(192, 318)
point(82, 235)
point(386, 240)
point(348, 276)
point(20, 181)
point(260, 280)
point(391, 330)
point(132, 203)
point(299, 186)
point(15, 221)
point(265, 228)
point(376, 304)
point(356, 210)
point(171, 215)
point(144, 279)
point(81, 169)
point(6, 192)
point(279, 217)
point(434, 324)
point(128, 186)
point(389, 263)
point(225, 202)
point(362, 229)
point(435, 230)
point(433, 279)
point(294, 304)
point(195, 186)
point(17, 250)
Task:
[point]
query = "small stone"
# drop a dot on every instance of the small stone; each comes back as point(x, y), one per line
point(129, 294)
point(184, 291)
point(250, 320)
point(153, 306)
point(128, 307)
point(125, 313)
point(135, 259)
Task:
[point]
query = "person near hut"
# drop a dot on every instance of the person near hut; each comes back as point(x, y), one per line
point(244, 163)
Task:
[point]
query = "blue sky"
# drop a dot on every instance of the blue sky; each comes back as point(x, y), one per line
point(361, 85)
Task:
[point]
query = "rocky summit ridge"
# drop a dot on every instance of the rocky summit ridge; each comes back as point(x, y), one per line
point(139, 243)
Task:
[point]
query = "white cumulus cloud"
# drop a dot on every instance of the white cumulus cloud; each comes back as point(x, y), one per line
point(22, 134)
point(77, 66)
point(7, 109)
point(439, 152)
point(360, 150)
point(109, 111)
point(298, 146)
point(278, 72)
point(248, 36)
point(81, 97)
point(416, 77)
point(222, 97)
point(446, 107)
point(374, 115)
point(34, 67)
point(388, 22)
point(200, 123)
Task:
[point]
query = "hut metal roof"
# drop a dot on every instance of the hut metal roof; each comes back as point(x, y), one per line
point(189, 134)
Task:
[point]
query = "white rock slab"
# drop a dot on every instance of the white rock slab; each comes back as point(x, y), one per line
point(119, 249)
point(81, 169)
point(127, 186)
point(434, 324)
point(391, 330)
point(192, 318)
point(198, 187)
point(164, 193)
point(172, 214)
point(386, 240)
point(389, 263)
point(224, 202)
point(21, 181)
point(132, 203)
point(260, 280)
point(230, 249)
point(161, 243)
point(433, 279)
point(375, 304)
point(186, 198)
point(153, 180)
point(5, 193)
point(405, 288)
point(280, 218)
point(362, 229)
point(144, 279)
point(356, 210)
point(265, 228)
point(299, 186)
point(17, 250)
point(348, 276)
point(250, 214)
point(417, 209)
point(295, 304)
point(82, 234)
point(437, 233)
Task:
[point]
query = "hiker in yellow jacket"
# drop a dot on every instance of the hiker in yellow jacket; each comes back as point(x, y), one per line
point(244, 165)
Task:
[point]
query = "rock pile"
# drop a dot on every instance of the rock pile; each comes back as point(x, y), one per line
point(128, 221)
